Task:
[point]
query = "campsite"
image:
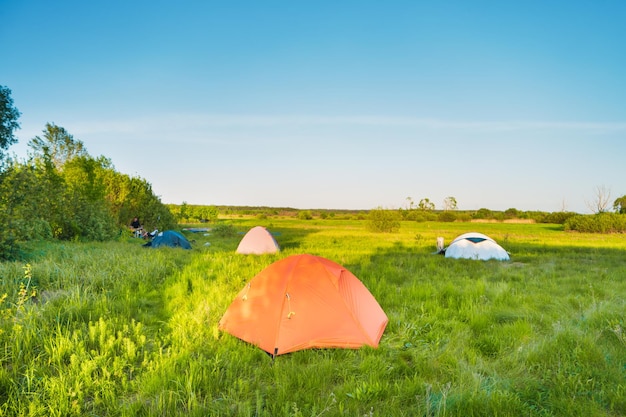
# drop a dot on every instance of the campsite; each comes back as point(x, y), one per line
point(111, 328)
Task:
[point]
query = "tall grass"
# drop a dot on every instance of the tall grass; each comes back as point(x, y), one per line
point(117, 329)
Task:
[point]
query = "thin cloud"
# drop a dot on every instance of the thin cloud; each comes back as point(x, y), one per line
point(179, 121)
point(204, 126)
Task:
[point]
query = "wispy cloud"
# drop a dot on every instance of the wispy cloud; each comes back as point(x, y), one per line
point(185, 121)
point(210, 125)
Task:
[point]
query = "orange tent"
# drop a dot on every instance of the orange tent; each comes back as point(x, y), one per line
point(305, 301)
point(257, 242)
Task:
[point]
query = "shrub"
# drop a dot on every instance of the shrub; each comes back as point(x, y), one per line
point(447, 216)
point(381, 220)
point(421, 216)
point(511, 213)
point(483, 213)
point(597, 223)
point(305, 215)
point(559, 217)
point(463, 217)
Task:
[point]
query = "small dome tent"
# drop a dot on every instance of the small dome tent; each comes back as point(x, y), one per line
point(476, 246)
point(302, 302)
point(169, 238)
point(257, 242)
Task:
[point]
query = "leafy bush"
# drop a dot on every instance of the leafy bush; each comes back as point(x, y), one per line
point(483, 213)
point(421, 216)
point(597, 223)
point(447, 216)
point(559, 217)
point(381, 220)
point(464, 217)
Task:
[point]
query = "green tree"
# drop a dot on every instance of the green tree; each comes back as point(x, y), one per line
point(426, 205)
point(183, 213)
point(210, 213)
point(8, 120)
point(133, 196)
point(57, 145)
point(20, 209)
point(52, 200)
point(619, 205)
point(86, 198)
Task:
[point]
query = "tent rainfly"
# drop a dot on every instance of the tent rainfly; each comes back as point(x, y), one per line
point(476, 246)
point(169, 238)
point(302, 302)
point(258, 241)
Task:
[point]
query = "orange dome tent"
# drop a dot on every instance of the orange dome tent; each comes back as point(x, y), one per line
point(257, 242)
point(305, 301)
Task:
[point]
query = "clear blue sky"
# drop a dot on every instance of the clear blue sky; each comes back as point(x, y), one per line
point(332, 104)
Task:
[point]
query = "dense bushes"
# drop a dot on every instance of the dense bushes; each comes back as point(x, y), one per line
point(62, 192)
point(190, 213)
point(558, 217)
point(381, 220)
point(597, 223)
point(447, 216)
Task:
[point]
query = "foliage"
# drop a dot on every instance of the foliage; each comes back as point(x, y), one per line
point(483, 213)
point(558, 217)
point(426, 205)
point(619, 205)
point(305, 215)
point(85, 332)
point(189, 213)
point(449, 203)
point(64, 193)
point(597, 223)
point(447, 216)
point(57, 146)
point(422, 216)
point(130, 197)
point(511, 213)
point(21, 196)
point(381, 220)
point(9, 116)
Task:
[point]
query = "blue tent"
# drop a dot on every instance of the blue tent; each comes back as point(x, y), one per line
point(169, 238)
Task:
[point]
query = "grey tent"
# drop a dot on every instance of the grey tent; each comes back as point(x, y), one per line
point(169, 238)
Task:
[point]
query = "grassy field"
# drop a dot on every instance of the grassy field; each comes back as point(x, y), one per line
point(114, 329)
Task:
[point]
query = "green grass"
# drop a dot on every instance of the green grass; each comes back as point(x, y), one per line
point(116, 329)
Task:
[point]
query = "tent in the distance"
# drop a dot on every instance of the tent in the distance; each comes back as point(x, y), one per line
point(169, 238)
point(258, 241)
point(474, 245)
point(302, 302)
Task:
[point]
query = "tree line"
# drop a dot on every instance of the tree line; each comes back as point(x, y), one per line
point(62, 192)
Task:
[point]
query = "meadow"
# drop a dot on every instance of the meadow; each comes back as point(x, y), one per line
point(115, 329)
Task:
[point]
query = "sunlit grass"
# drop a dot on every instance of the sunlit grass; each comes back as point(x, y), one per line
point(117, 329)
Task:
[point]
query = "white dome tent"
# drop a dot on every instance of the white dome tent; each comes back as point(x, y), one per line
point(476, 246)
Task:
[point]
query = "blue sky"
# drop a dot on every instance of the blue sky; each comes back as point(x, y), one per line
point(328, 104)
